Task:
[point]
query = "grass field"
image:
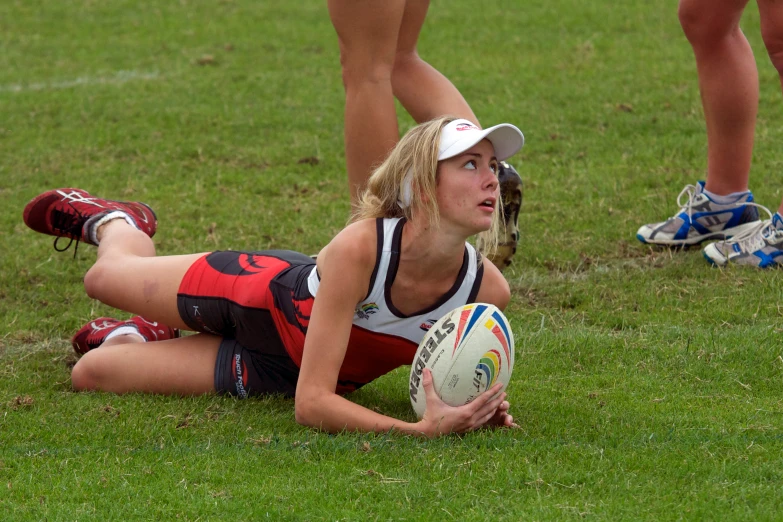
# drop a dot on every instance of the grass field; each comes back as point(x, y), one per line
point(648, 385)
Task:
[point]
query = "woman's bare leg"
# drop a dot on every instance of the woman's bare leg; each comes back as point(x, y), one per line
point(771, 12)
point(124, 364)
point(367, 31)
point(128, 275)
point(423, 90)
point(728, 81)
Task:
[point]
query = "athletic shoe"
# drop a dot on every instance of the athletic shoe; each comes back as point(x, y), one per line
point(75, 214)
point(93, 334)
point(511, 197)
point(760, 246)
point(700, 218)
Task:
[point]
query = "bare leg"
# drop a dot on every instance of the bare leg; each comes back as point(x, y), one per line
point(367, 31)
point(728, 81)
point(128, 276)
point(183, 366)
point(423, 91)
point(771, 12)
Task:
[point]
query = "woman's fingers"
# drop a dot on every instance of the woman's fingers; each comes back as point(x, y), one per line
point(488, 399)
point(484, 413)
point(493, 404)
point(490, 407)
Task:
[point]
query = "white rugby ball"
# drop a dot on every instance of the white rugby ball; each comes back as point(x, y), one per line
point(467, 350)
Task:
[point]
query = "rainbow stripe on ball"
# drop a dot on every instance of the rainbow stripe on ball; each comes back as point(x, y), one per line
point(490, 365)
point(466, 322)
point(499, 328)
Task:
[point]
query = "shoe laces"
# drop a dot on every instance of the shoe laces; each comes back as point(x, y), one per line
point(693, 193)
point(756, 237)
point(70, 224)
point(66, 224)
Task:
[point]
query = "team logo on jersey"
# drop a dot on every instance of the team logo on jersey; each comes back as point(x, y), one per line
point(426, 325)
point(231, 263)
point(365, 311)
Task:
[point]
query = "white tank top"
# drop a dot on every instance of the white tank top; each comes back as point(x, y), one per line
point(377, 314)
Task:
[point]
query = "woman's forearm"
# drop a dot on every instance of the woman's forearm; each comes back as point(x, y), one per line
point(333, 413)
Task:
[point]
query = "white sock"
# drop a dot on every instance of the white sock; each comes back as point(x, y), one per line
point(125, 330)
point(727, 199)
point(117, 214)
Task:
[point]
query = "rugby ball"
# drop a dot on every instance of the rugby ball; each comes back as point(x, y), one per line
point(468, 350)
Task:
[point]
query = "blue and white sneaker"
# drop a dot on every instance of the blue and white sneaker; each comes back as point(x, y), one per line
point(700, 218)
point(760, 246)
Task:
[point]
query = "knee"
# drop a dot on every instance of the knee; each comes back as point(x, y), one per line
point(94, 280)
point(86, 374)
point(404, 60)
point(361, 67)
point(373, 73)
point(703, 26)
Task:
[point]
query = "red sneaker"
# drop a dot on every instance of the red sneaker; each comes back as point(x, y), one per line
point(72, 213)
point(92, 334)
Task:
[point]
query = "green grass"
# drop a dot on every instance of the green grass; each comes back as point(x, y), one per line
point(648, 385)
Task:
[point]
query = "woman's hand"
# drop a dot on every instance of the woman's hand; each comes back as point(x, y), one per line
point(489, 408)
point(502, 419)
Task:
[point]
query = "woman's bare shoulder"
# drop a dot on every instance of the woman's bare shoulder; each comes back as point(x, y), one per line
point(356, 243)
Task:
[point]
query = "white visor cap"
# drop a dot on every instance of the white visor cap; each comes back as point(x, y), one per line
point(460, 135)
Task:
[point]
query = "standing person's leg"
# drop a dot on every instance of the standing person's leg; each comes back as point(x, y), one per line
point(771, 12)
point(762, 246)
point(728, 81)
point(423, 90)
point(367, 31)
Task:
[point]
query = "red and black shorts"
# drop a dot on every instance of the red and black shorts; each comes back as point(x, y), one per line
point(243, 297)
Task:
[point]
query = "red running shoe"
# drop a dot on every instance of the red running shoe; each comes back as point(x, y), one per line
point(73, 213)
point(92, 334)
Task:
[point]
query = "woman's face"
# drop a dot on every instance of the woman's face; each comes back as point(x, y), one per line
point(468, 189)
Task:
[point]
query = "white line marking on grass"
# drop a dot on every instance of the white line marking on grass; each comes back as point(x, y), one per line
point(118, 78)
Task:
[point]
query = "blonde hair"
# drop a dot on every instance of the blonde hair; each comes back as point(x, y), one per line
point(413, 162)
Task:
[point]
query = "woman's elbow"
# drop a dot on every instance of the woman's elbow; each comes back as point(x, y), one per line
point(300, 411)
point(305, 410)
